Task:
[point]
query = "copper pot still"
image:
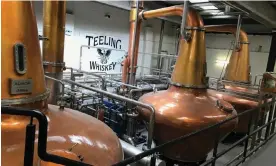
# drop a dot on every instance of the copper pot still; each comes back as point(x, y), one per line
point(71, 134)
point(187, 105)
point(237, 70)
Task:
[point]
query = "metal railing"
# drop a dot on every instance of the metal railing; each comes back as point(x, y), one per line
point(249, 147)
point(124, 99)
point(257, 134)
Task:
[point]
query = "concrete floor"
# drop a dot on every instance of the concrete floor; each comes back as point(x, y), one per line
point(266, 156)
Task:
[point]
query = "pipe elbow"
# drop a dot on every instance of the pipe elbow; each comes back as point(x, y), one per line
point(243, 36)
point(193, 18)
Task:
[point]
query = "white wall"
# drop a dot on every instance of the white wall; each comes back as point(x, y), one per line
point(218, 49)
point(88, 19)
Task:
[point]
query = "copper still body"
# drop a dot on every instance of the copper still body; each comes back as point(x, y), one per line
point(187, 105)
point(238, 70)
point(71, 134)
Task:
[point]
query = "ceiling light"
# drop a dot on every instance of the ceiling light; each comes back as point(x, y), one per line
point(198, 1)
point(208, 7)
point(217, 13)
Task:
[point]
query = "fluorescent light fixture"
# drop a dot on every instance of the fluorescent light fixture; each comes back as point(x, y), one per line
point(222, 16)
point(211, 7)
point(198, 1)
point(217, 13)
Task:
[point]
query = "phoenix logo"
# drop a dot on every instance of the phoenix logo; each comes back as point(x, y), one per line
point(103, 55)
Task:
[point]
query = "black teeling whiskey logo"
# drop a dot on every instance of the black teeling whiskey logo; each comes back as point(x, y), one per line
point(104, 55)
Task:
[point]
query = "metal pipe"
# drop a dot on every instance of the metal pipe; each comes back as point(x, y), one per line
point(130, 94)
point(121, 83)
point(54, 16)
point(160, 43)
point(88, 73)
point(130, 151)
point(125, 70)
point(104, 79)
point(237, 43)
point(270, 66)
point(135, 42)
point(93, 74)
point(193, 19)
point(61, 104)
point(129, 139)
point(183, 32)
point(132, 91)
point(72, 77)
point(121, 98)
point(154, 69)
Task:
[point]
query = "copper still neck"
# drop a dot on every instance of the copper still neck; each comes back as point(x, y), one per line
point(190, 68)
point(238, 68)
point(22, 78)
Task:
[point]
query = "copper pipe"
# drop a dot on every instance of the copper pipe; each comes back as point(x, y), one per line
point(132, 54)
point(136, 49)
point(193, 19)
point(54, 16)
point(238, 68)
point(125, 70)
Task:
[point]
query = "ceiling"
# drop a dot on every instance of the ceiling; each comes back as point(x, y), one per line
point(258, 17)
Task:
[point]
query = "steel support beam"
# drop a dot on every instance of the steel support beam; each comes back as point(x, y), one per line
point(272, 54)
point(260, 11)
